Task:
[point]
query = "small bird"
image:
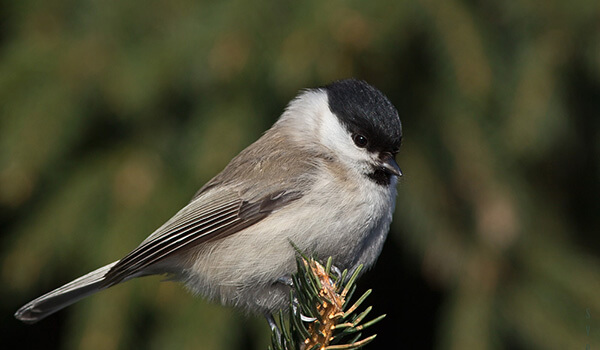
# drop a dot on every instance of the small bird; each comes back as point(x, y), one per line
point(322, 178)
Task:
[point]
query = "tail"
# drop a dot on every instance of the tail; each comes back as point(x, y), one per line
point(64, 296)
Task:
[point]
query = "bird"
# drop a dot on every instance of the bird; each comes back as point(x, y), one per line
point(322, 180)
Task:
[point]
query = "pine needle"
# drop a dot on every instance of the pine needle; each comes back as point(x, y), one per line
point(321, 294)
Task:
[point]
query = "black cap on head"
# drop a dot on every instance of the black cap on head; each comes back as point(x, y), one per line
point(366, 111)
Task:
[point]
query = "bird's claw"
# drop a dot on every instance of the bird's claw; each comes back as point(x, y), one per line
point(286, 280)
point(336, 271)
point(274, 327)
point(296, 312)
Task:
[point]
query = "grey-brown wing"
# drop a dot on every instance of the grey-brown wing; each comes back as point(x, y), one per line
point(197, 223)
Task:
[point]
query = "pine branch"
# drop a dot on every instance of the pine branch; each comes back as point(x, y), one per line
point(321, 316)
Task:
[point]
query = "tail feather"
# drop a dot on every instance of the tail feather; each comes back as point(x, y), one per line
point(64, 296)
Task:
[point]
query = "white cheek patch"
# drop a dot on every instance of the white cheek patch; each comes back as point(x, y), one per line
point(334, 136)
point(309, 116)
point(332, 133)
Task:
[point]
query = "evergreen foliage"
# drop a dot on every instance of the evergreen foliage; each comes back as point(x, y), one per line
point(321, 315)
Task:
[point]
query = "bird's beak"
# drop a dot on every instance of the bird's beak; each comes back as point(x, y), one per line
point(388, 164)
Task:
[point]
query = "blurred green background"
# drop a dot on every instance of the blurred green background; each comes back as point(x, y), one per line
point(113, 113)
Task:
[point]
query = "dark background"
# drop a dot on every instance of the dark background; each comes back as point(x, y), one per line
point(113, 113)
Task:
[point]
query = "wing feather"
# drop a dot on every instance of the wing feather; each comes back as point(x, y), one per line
point(200, 221)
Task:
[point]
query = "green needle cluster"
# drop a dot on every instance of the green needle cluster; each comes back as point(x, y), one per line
point(321, 314)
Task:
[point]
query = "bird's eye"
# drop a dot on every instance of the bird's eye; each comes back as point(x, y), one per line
point(360, 140)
